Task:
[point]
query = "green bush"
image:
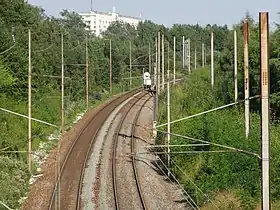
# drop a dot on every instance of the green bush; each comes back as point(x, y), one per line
point(14, 181)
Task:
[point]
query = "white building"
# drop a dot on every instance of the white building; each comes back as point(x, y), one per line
point(98, 22)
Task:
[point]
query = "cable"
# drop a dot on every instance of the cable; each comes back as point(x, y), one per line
point(215, 144)
point(14, 40)
point(8, 49)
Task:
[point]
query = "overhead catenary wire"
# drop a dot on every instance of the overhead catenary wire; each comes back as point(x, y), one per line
point(10, 48)
point(208, 111)
point(212, 143)
point(34, 119)
point(7, 207)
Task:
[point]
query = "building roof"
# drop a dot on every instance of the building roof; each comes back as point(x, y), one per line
point(109, 13)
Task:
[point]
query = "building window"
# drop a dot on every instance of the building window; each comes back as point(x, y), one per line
point(88, 22)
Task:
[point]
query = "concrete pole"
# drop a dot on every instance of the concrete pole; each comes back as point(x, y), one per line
point(156, 63)
point(130, 82)
point(205, 56)
point(162, 59)
point(150, 67)
point(156, 88)
point(62, 120)
point(87, 73)
point(212, 61)
point(158, 66)
point(195, 58)
point(168, 60)
point(168, 114)
point(29, 104)
point(246, 81)
point(174, 59)
point(202, 55)
point(111, 74)
point(155, 103)
point(189, 55)
point(62, 84)
point(183, 52)
point(265, 91)
point(235, 68)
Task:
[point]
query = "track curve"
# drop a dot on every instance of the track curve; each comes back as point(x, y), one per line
point(67, 190)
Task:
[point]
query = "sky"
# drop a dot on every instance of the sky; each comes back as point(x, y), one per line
point(168, 12)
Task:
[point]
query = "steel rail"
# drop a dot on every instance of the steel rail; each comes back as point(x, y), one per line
point(115, 143)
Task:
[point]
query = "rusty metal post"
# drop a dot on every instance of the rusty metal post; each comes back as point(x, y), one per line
point(265, 89)
point(246, 80)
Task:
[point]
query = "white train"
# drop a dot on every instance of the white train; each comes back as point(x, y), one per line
point(147, 82)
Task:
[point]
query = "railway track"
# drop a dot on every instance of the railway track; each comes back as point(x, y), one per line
point(67, 190)
point(132, 146)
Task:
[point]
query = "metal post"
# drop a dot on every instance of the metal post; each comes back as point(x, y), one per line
point(87, 73)
point(195, 58)
point(212, 61)
point(246, 81)
point(158, 65)
point(130, 82)
point(205, 56)
point(174, 59)
point(29, 104)
point(168, 61)
point(62, 120)
point(183, 52)
point(202, 55)
point(162, 59)
point(189, 55)
point(155, 95)
point(150, 67)
point(235, 68)
point(155, 102)
point(265, 90)
point(111, 81)
point(168, 114)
